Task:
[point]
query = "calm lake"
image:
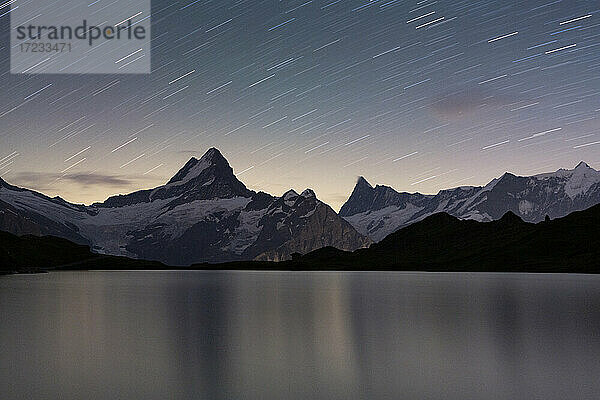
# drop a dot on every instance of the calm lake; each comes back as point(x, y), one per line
point(288, 335)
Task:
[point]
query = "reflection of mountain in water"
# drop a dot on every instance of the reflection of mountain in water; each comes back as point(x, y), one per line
point(297, 336)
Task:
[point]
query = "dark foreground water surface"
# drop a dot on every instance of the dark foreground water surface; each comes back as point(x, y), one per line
point(260, 335)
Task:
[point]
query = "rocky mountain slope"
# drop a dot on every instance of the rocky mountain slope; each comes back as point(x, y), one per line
point(203, 214)
point(378, 211)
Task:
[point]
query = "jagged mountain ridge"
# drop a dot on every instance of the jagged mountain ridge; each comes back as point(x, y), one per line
point(203, 214)
point(379, 211)
point(200, 179)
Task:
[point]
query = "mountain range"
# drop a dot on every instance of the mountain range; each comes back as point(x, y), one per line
point(204, 214)
point(379, 211)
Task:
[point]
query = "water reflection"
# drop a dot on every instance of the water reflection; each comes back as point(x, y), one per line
point(245, 335)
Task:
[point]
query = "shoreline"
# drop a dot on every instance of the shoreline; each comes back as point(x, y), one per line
point(292, 267)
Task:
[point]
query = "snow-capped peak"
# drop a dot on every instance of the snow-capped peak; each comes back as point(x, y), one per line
point(583, 177)
point(583, 166)
point(194, 167)
point(214, 156)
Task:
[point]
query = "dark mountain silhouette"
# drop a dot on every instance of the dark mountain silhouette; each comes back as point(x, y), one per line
point(31, 254)
point(440, 242)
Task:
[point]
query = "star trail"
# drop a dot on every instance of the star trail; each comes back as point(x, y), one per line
point(419, 95)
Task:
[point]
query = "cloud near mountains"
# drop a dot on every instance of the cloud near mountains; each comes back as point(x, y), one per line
point(43, 180)
point(469, 100)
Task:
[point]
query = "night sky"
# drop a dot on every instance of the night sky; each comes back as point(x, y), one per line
point(418, 95)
